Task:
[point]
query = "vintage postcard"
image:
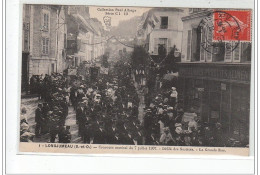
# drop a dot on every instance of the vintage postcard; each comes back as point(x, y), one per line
point(139, 80)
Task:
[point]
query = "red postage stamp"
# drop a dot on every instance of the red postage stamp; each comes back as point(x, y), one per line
point(232, 25)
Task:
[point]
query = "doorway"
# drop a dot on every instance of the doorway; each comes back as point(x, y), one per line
point(25, 79)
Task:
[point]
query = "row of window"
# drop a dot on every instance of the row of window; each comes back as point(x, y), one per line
point(161, 46)
point(46, 44)
point(197, 50)
point(45, 21)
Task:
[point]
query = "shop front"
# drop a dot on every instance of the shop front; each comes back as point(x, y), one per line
point(218, 93)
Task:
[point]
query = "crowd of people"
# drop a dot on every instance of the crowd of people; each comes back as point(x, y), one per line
point(107, 112)
point(106, 108)
point(50, 115)
point(165, 123)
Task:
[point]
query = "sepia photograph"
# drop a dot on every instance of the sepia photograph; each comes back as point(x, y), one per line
point(141, 76)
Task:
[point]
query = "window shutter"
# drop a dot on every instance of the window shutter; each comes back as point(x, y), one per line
point(228, 54)
point(170, 23)
point(169, 45)
point(236, 52)
point(156, 40)
point(202, 50)
point(47, 21)
point(209, 52)
point(47, 45)
point(43, 46)
point(189, 45)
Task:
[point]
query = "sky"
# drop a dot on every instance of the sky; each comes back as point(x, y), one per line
point(115, 14)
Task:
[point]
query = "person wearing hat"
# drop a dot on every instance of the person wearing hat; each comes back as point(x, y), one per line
point(80, 115)
point(148, 123)
point(218, 135)
point(180, 140)
point(73, 96)
point(116, 139)
point(153, 140)
point(64, 134)
point(138, 137)
point(171, 121)
point(166, 138)
point(27, 137)
point(111, 132)
point(61, 117)
point(173, 97)
point(192, 125)
point(179, 116)
point(64, 106)
point(178, 129)
point(208, 136)
point(128, 138)
point(23, 115)
point(100, 134)
point(38, 120)
point(24, 127)
point(54, 127)
point(164, 118)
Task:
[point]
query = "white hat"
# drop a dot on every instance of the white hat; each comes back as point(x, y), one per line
point(178, 125)
point(24, 126)
point(170, 108)
point(27, 134)
point(178, 130)
point(173, 88)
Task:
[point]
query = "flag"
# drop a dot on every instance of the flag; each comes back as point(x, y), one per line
point(153, 20)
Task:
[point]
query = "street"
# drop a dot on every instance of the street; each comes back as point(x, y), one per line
point(31, 104)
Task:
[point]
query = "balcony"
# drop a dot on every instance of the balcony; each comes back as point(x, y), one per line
point(163, 26)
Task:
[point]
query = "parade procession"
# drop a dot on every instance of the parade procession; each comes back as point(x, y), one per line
point(143, 80)
point(106, 112)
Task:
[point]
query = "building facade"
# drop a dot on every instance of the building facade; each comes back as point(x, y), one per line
point(161, 29)
point(86, 34)
point(216, 83)
point(25, 46)
point(44, 40)
point(62, 62)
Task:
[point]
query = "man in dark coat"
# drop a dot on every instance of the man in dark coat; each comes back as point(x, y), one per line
point(64, 106)
point(80, 115)
point(73, 97)
point(153, 140)
point(116, 139)
point(111, 132)
point(128, 138)
point(54, 127)
point(64, 135)
point(38, 120)
point(88, 131)
point(100, 135)
point(148, 123)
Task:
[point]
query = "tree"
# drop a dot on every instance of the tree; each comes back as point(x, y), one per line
point(140, 57)
point(169, 64)
point(104, 60)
